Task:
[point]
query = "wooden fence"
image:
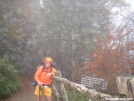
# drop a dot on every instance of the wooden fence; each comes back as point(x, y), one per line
point(60, 92)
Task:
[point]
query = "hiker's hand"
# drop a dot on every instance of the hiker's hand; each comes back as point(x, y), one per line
point(40, 83)
point(49, 74)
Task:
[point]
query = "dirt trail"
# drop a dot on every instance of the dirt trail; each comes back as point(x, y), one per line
point(26, 94)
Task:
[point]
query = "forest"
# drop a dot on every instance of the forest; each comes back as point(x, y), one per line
point(91, 37)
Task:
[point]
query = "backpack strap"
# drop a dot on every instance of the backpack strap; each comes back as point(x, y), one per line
point(43, 68)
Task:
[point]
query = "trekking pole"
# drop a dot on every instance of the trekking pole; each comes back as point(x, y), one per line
point(41, 88)
point(39, 92)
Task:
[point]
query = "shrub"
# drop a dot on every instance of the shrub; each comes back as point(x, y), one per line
point(9, 82)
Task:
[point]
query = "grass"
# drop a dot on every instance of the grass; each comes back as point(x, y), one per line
point(74, 95)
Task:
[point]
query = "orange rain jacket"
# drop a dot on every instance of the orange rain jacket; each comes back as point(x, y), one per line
point(41, 75)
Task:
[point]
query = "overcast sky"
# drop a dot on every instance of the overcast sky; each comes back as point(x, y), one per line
point(131, 2)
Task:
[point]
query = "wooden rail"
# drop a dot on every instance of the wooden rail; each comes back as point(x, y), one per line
point(60, 92)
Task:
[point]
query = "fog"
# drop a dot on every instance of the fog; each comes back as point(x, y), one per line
point(63, 29)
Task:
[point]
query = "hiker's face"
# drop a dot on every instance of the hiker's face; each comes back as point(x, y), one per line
point(48, 64)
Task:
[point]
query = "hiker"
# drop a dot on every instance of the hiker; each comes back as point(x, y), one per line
point(43, 77)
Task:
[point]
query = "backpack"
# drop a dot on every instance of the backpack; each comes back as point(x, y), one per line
point(34, 83)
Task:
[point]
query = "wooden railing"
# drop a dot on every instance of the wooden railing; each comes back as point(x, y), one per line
point(60, 92)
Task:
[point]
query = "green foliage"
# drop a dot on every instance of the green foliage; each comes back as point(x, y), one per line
point(9, 82)
point(73, 95)
point(4, 59)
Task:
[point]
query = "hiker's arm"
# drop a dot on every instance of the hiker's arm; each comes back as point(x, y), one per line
point(53, 72)
point(37, 74)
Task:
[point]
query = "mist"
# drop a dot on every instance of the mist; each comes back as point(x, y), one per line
point(64, 30)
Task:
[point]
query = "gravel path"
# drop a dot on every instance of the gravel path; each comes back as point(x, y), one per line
point(26, 94)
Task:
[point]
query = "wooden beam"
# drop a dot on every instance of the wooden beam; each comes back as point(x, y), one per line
point(59, 89)
point(95, 96)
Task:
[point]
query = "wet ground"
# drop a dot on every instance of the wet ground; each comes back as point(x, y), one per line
point(26, 94)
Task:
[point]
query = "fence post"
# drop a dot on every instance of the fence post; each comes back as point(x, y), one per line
point(59, 89)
